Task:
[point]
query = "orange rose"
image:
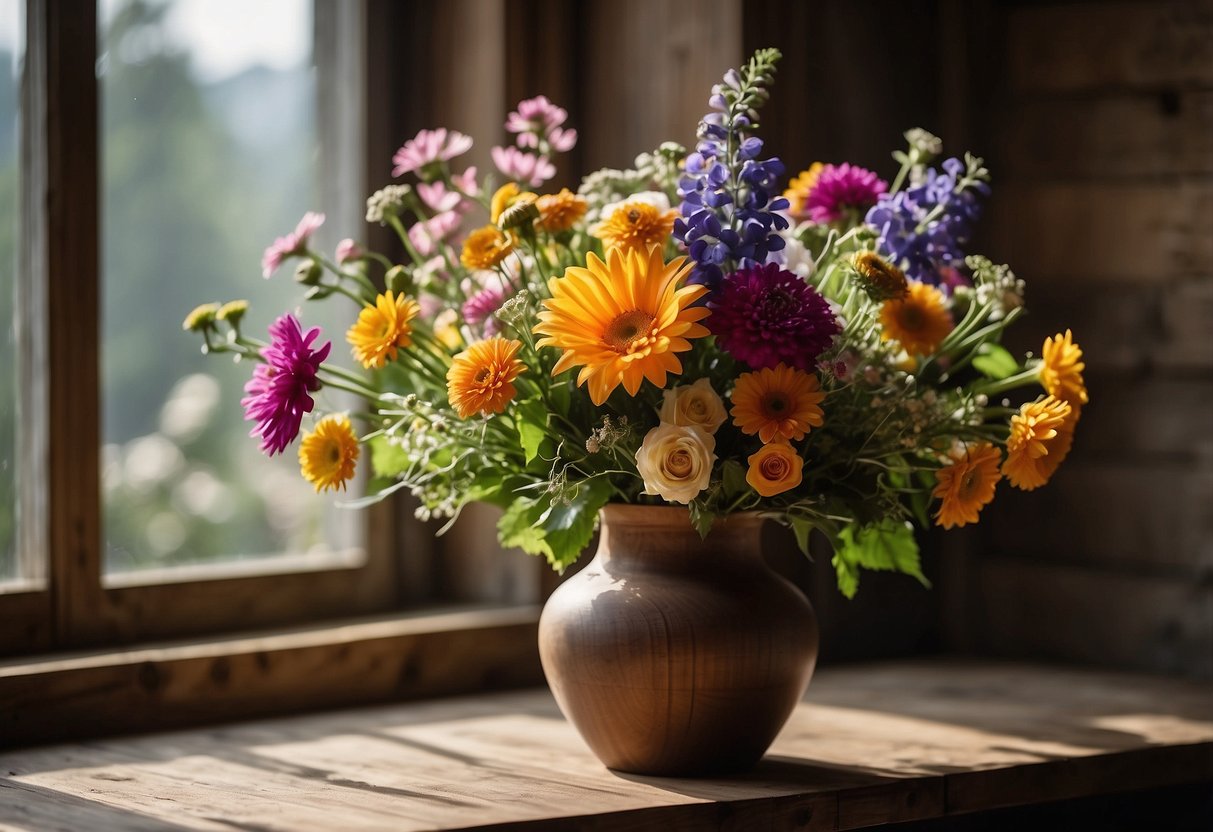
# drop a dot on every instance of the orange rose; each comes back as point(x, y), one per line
point(774, 469)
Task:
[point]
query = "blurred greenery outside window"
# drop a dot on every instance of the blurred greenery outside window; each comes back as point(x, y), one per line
point(210, 135)
point(12, 47)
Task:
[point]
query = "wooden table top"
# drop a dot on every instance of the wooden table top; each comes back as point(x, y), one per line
point(870, 744)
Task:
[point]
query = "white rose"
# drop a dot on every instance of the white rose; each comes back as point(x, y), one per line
point(694, 404)
point(676, 461)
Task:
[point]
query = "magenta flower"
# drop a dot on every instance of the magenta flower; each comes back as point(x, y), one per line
point(427, 147)
point(292, 244)
point(280, 391)
point(427, 235)
point(479, 308)
point(764, 315)
point(536, 119)
point(840, 188)
point(523, 168)
point(348, 250)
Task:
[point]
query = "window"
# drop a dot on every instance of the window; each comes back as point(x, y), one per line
point(118, 440)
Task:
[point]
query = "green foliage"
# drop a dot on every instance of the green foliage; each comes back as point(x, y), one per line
point(531, 418)
point(559, 531)
point(889, 546)
point(993, 361)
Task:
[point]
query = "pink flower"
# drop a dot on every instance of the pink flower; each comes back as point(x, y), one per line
point(840, 188)
point(279, 392)
point(524, 168)
point(479, 308)
point(426, 236)
point(292, 244)
point(440, 199)
point(348, 250)
point(427, 147)
point(466, 182)
point(536, 119)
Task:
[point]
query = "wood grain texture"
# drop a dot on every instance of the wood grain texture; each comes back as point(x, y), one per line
point(190, 683)
point(673, 654)
point(870, 744)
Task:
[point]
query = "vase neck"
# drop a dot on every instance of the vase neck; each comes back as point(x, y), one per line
point(662, 536)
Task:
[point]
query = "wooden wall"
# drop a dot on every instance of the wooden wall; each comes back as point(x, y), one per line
point(1100, 124)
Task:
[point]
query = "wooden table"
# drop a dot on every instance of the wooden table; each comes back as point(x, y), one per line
point(871, 744)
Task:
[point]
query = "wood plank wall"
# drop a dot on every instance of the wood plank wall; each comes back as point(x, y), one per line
point(1101, 129)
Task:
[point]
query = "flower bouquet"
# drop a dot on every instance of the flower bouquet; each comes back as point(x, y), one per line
point(695, 330)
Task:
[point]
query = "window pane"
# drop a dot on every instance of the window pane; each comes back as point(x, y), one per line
point(211, 150)
point(12, 48)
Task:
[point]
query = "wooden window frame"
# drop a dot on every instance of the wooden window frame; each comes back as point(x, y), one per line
point(71, 603)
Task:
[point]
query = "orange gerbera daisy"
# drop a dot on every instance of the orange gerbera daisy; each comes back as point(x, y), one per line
point(1041, 435)
point(919, 321)
point(798, 190)
point(1061, 367)
point(382, 329)
point(622, 320)
point(485, 247)
point(481, 378)
point(635, 225)
point(559, 212)
point(777, 403)
point(328, 454)
point(966, 486)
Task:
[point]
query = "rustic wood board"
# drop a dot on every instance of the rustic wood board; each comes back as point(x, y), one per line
point(872, 743)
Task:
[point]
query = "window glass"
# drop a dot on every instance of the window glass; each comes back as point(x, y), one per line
point(12, 48)
point(210, 150)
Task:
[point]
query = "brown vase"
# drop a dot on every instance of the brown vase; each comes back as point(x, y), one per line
point(675, 655)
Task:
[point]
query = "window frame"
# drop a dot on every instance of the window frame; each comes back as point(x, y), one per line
point(75, 605)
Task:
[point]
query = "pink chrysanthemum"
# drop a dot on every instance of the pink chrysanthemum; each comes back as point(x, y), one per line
point(537, 117)
point(427, 147)
point(426, 236)
point(764, 315)
point(280, 391)
point(524, 168)
point(840, 188)
point(479, 308)
point(292, 244)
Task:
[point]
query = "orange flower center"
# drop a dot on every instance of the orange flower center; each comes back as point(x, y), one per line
point(774, 467)
point(633, 215)
point(628, 328)
point(912, 318)
point(968, 482)
point(775, 405)
point(482, 375)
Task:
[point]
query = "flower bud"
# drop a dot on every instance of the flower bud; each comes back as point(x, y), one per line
point(308, 273)
point(399, 280)
point(201, 318)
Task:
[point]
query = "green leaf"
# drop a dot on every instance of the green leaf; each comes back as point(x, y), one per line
point(532, 420)
point(995, 362)
point(567, 528)
point(732, 477)
point(562, 395)
point(519, 526)
point(802, 527)
point(387, 459)
point(701, 518)
point(888, 546)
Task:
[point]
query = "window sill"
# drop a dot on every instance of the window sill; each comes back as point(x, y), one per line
point(387, 658)
point(884, 743)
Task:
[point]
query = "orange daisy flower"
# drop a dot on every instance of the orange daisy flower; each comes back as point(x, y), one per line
point(1042, 433)
point(481, 378)
point(485, 247)
point(635, 225)
point(966, 486)
point(622, 320)
point(777, 403)
point(1061, 369)
point(382, 329)
point(559, 212)
point(328, 454)
point(919, 321)
point(798, 190)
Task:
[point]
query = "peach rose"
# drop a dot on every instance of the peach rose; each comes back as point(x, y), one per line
point(693, 404)
point(676, 461)
point(774, 469)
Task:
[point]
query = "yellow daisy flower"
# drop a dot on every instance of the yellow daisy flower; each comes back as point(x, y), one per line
point(485, 247)
point(966, 486)
point(635, 225)
point(1041, 435)
point(798, 190)
point(919, 321)
point(560, 212)
point(880, 278)
point(481, 378)
point(505, 196)
point(779, 403)
point(328, 454)
point(1061, 369)
point(622, 320)
point(382, 329)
